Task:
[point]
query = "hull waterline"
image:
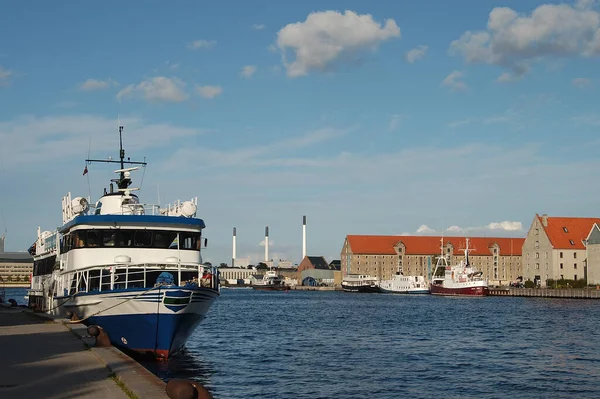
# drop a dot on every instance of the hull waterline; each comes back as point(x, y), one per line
point(463, 291)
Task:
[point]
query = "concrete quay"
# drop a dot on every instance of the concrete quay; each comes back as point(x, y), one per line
point(547, 292)
point(43, 357)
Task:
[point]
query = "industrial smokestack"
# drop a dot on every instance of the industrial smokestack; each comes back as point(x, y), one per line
point(303, 237)
point(267, 244)
point(233, 254)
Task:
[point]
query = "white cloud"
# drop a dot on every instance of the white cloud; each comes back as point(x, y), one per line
point(416, 54)
point(55, 138)
point(198, 44)
point(258, 26)
point(173, 65)
point(499, 228)
point(5, 75)
point(505, 225)
point(454, 81)
point(424, 229)
point(506, 77)
point(395, 121)
point(582, 83)
point(516, 41)
point(96, 84)
point(248, 71)
point(459, 123)
point(209, 91)
point(159, 88)
point(328, 37)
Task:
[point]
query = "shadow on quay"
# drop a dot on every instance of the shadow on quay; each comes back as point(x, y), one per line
point(43, 359)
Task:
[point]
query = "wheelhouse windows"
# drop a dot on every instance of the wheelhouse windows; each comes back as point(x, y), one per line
point(189, 241)
point(121, 238)
point(142, 238)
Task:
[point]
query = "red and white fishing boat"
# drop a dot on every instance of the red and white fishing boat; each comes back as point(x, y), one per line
point(458, 280)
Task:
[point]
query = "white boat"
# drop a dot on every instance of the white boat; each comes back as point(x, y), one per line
point(131, 268)
point(458, 280)
point(270, 281)
point(402, 284)
point(360, 283)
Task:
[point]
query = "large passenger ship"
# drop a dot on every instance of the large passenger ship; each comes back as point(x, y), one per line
point(133, 269)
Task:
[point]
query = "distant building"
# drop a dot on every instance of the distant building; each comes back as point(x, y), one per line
point(593, 255)
point(314, 270)
point(285, 264)
point(235, 275)
point(499, 258)
point(313, 262)
point(335, 264)
point(15, 266)
point(555, 248)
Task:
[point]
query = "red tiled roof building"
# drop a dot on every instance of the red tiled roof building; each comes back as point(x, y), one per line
point(555, 248)
point(381, 256)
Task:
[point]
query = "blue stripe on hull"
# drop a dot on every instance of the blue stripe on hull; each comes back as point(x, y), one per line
point(159, 334)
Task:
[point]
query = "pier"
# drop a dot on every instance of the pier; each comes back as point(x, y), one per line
point(49, 358)
point(575, 293)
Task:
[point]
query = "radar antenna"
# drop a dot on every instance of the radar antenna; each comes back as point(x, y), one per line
point(124, 179)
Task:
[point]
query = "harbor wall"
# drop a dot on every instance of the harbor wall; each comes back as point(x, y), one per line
point(548, 292)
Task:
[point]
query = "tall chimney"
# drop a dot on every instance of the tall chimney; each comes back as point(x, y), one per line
point(545, 220)
point(267, 244)
point(233, 254)
point(303, 237)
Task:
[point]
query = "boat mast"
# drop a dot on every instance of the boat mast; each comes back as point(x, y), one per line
point(122, 182)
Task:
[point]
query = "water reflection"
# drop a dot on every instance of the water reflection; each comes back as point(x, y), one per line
point(187, 364)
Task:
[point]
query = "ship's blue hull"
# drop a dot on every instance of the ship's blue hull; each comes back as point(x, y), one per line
point(159, 335)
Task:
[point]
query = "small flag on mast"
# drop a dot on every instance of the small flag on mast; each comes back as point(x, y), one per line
point(85, 170)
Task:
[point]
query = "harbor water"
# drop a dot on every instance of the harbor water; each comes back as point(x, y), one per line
point(298, 344)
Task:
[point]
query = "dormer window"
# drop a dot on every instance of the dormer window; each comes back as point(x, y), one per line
point(565, 230)
point(572, 242)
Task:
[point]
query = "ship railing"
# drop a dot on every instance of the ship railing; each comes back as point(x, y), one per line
point(110, 277)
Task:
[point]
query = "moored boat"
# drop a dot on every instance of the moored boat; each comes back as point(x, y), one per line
point(271, 281)
point(133, 269)
point(458, 280)
point(360, 283)
point(401, 284)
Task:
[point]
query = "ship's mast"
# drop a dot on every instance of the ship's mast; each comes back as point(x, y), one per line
point(122, 182)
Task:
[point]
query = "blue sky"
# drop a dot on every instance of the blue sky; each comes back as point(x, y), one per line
point(368, 117)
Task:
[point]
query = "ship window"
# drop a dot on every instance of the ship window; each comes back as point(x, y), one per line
point(93, 238)
point(124, 238)
point(80, 238)
point(108, 238)
point(142, 238)
point(189, 241)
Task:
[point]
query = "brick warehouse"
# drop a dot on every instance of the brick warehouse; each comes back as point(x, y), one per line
point(499, 258)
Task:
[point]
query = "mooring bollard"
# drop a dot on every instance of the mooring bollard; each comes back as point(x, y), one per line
point(186, 389)
point(101, 336)
point(71, 315)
